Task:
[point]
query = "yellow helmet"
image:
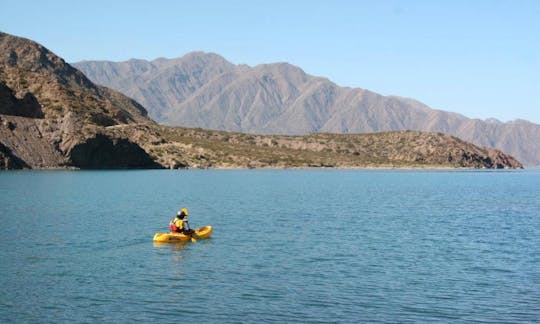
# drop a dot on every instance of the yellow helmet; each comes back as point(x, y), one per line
point(183, 211)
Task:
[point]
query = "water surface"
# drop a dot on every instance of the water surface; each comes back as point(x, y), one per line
point(288, 246)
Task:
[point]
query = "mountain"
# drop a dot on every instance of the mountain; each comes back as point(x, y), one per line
point(52, 116)
point(205, 90)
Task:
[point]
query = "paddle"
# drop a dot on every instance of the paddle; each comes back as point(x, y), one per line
point(193, 240)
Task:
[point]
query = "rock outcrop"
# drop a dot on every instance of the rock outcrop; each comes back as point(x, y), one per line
point(52, 116)
point(102, 152)
point(10, 161)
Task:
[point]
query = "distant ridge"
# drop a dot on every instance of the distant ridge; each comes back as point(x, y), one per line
point(205, 90)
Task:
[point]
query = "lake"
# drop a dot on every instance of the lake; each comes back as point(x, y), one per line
point(288, 246)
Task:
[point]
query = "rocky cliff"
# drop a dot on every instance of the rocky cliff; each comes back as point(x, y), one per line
point(52, 116)
point(204, 90)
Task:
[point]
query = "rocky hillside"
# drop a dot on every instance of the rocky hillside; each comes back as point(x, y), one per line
point(204, 90)
point(176, 147)
point(52, 116)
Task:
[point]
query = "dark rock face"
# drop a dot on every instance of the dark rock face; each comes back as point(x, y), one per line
point(27, 106)
point(9, 161)
point(102, 152)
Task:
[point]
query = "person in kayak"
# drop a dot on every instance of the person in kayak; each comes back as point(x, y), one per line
point(180, 224)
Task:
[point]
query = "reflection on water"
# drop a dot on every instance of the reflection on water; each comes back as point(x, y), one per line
point(171, 246)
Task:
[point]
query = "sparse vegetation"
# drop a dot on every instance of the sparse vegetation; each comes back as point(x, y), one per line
point(205, 148)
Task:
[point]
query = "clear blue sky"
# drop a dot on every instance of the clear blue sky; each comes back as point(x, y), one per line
point(478, 58)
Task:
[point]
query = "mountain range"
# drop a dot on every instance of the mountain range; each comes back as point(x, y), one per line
point(205, 90)
point(53, 116)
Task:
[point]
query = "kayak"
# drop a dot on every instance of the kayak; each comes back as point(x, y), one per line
point(200, 233)
point(203, 232)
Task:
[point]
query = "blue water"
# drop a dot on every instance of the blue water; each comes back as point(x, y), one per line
point(288, 246)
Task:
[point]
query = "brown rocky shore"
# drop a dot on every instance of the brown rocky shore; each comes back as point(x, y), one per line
point(52, 116)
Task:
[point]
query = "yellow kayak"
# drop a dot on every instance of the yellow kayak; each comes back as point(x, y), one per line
point(200, 233)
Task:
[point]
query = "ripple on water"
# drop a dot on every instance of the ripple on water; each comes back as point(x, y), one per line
point(288, 246)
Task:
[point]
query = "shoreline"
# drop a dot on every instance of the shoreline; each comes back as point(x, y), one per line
point(359, 168)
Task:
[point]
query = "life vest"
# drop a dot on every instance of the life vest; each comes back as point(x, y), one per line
point(177, 224)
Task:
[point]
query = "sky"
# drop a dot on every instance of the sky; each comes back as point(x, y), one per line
point(477, 58)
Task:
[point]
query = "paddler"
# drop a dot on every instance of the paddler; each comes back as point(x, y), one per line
point(180, 224)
